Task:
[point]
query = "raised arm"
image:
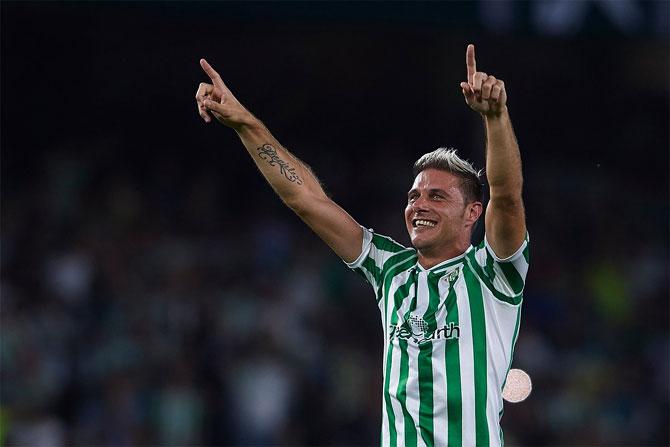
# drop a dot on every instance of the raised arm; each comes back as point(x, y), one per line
point(291, 179)
point(505, 217)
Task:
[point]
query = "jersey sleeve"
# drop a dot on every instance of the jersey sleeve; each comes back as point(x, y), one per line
point(506, 277)
point(377, 253)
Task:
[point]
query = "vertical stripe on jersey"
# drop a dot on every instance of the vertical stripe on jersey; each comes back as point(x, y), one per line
point(405, 371)
point(509, 365)
point(478, 325)
point(453, 368)
point(402, 291)
point(410, 429)
point(426, 416)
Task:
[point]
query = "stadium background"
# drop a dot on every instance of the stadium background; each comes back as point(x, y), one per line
point(156, 292)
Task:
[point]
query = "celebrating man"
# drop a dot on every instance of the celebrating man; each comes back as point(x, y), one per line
point(450, 311)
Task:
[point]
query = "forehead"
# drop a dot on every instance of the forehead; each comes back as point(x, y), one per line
point(436, 179)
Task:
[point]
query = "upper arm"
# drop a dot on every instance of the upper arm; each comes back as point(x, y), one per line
point(505, 224)
point(333, 225)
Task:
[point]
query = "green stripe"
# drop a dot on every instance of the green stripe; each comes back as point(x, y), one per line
point(402, 291)
point(388, 280)
point(509, 366)
point(391, 273)
point(514, 337)
point(453, 373)
point(370, 272)
point(471, 261)
point(479, 353)
point(526, 254)
point(426, 393)
point(444, 267)
point(387, 399)
point(512, 276)
point(398, 257)
point(386, 243)
point(410, 429)
point(426, 365)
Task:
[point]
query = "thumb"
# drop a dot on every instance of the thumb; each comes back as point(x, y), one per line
point(214, 106)
point(467, 91)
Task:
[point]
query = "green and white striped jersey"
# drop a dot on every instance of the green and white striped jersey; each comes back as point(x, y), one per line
point(449, 335)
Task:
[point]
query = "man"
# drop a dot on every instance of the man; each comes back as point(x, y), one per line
point(451, 311)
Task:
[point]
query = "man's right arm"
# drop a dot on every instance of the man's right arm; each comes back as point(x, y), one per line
point(291, 179)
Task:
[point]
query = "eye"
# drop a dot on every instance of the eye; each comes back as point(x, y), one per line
point(436, 196)
point(411, 198)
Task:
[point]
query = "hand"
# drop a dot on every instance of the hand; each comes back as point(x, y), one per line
point(483, 93)
point(217, 99)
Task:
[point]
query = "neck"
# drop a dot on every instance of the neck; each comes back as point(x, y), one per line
point(429, 258)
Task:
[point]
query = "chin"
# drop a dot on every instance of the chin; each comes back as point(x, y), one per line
point(420, 243)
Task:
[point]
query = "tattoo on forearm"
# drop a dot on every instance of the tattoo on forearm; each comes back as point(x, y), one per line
point(268, 153)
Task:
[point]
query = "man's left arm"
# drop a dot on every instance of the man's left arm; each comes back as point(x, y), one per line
point(505, 217)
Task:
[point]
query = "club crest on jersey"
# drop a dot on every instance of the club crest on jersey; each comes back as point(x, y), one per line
point(452, 276)
point(419, 331)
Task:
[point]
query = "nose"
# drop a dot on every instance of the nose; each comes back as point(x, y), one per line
point(419, 204)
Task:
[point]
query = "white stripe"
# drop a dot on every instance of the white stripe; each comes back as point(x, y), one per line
point(393, 391)
point(440, 414)
point(466, 356)
point(500, 323)
point(522, 267)
point(396, 282)
point(413, 401)
point(404, 309)
point(480, 256)
point(412, 396)
point(500, 281)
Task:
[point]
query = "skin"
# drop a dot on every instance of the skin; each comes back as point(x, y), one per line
point(299, 188)
point(436, 196)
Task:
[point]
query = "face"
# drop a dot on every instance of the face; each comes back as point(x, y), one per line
point(437, 216)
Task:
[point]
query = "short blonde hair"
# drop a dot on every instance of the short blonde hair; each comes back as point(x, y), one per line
point(446, 159)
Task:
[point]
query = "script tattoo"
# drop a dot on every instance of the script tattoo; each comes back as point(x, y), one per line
point(269, 154)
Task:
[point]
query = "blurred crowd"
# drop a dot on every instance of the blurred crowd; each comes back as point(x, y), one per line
point(135, 314)
point(154, 291)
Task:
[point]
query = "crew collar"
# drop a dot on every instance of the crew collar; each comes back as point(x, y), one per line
point(442, 266)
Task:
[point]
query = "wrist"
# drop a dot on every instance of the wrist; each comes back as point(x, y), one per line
point(248, 126)
point(498, 115)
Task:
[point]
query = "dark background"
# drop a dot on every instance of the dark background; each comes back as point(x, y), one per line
point(155, 291)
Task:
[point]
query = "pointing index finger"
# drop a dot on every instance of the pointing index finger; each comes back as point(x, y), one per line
point(213, 75)
point(470, 63)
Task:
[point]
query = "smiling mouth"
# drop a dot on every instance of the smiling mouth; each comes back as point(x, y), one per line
point(419, 223)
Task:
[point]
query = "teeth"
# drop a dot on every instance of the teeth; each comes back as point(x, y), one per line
point(424, 223)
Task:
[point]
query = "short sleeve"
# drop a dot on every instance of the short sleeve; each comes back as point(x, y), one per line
point(377, 254)
point(506, 277)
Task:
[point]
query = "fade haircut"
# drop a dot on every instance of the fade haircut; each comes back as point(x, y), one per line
point(446, 159)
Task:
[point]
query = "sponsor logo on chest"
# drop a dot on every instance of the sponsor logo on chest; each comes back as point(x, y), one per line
point(418, 331)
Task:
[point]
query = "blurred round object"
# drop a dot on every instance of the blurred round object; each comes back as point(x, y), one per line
point(517, 387)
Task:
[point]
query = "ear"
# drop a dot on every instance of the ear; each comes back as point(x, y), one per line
point(472, 212)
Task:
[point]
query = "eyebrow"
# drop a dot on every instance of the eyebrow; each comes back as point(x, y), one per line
point(430, 191)
point(441, 191)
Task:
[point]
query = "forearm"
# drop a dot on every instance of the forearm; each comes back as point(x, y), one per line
point(291, 179)
point(503, 160)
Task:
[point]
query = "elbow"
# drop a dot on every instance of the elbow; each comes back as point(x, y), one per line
point(508, 201)
point(295, 202)
point(301, 204)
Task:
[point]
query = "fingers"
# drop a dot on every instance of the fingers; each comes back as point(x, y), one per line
point(203, 93)
point(487, 85)
point(477, 81)
point(496, 91)
point(214, 107)
point(213, 75)
point(467, 92)
point(470, 63)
